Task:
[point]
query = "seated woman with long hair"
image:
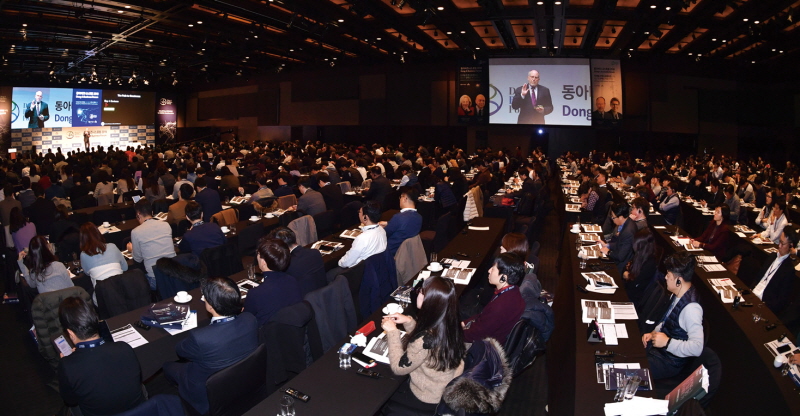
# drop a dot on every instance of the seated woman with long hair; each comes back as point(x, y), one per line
point(41, 268)
point(98, 259)
point(640, 270)
point(716, 237)
point(152, 190)
point(22, 231)
point(506, 306)
point(432, 351)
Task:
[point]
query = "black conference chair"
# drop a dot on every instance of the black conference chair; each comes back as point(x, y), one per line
point(248, 238)
point(236, 389)
point(223, 260)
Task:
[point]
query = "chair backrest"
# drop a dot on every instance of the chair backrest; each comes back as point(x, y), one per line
point(482, 387)
point(366, 184)
point(712, 363)
point(305, 229)
point(245, 211)
point(522, 346)
point(525, 205)
point(248, 238)
point(235, 389)
point(287, 201)
point(409, 259)
point(44, 311)
point(534, 249)
point(446, 229)
point(345, 186)
point(85, 201)
point(180, 273)
point(379, 281)
point(226, 217)
point(223, 260)
point(335, 303)
point(348, 216)
point(325, 223)
point(122, 293)
point(285, 336)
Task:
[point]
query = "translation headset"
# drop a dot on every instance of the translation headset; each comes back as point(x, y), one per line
point(502, 279)
point(678, 282)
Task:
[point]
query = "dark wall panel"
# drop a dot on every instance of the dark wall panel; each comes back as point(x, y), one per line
point(325, 88)
point(227, 107)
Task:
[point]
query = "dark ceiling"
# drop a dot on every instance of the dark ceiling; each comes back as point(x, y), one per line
point(168, 43)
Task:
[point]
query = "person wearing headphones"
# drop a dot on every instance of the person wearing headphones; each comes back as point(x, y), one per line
point(506, 307)
point(679, 336)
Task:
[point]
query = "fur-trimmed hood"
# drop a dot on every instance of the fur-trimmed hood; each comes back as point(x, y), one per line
point(184, 267)
point(483, 385)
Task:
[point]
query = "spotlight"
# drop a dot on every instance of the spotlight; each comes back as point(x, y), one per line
point(541, 131)
point(607, 42)
point(577, 29)
point(613, 29)
point(574, 40)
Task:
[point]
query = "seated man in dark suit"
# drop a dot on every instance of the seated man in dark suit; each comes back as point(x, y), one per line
point(380, 186)
point(716, 196)
point(102, 378)
point(207, 198)
point(671, 206)
point(42, 212)
point(278, 289)
point(80, 188)
point(201, 235)
point(619, 248)
point(284, 185)
point(211, 181)
point(312, 202)
point(406, 224)
point(776, 277)
point(331, 193)
point(230, 338)
point(305, 264)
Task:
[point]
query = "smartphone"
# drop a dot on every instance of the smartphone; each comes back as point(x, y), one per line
point(362, 359)
point(327, 247)
point(63, 345)
point(784, 348)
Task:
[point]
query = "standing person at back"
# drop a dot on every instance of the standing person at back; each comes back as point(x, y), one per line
point(406, 224)
point(151, 240)
point(207, 198)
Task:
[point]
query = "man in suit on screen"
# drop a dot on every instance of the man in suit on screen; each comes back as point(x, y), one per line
point(599, 114)
point(532, 100)
point(37, 112)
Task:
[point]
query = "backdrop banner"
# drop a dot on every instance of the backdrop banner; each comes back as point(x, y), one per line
point(71, 138)
point(167, 116)
point(607, 92)
point(472, 92)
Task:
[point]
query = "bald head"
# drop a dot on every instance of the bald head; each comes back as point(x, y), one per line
point(533, 78)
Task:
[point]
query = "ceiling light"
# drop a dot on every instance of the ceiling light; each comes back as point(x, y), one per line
point(127, 7)
point(463, 32)
point(668, 8)
point(556, 29)
point(653, 6)
point(540, 3)
point(120, 11)
point(449, 33)
point(713, 39)
point(199, 22)
point(745, 19)
point(440, 8)
point(377, 38)
point(341, 20)
point(24, 25)
point(555, 47)
point(558, 3)
point(690, 54)
point(756, 22)
point(191, 25)
point(478, 48)
point(752, 62)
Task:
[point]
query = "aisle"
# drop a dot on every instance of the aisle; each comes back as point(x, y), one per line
point(527, 395)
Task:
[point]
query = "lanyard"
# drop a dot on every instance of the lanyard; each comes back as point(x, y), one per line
point(91, 344)
point(502, 291)
point(223, 320)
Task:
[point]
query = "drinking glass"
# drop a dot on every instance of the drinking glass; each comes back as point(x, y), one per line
point(434, 257)
point(233, 228)
point(287, 406)
point(583, 262)
point(76, 263)
point(251, 272)
point(123, 218)
point(344, 360)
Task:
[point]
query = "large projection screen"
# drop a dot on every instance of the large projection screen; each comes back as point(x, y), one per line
point(563, 91)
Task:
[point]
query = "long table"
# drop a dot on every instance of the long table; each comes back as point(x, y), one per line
point(571, 361)
point(337, 392)
point(750, 383)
